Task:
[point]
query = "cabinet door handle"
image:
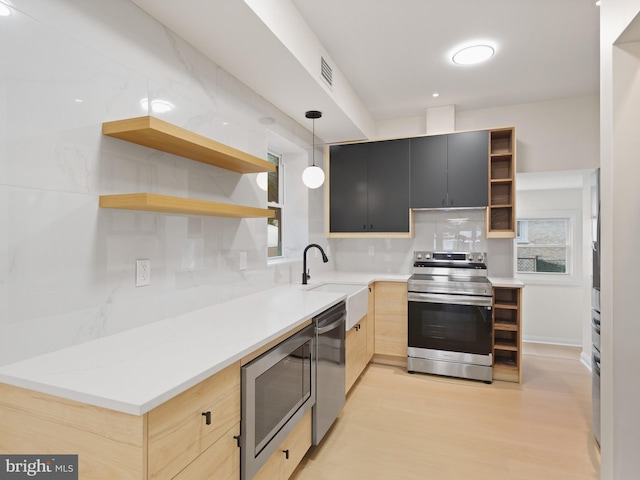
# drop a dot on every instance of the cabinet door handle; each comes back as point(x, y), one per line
point(237, 437)
point(364, 227)
point(207, 416)
point(286, 453)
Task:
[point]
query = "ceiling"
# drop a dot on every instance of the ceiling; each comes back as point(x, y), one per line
point(389, 57)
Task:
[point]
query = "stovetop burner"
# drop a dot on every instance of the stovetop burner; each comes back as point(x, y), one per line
point(450, 273)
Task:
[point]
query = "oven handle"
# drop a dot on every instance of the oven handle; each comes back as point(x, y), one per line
point(450, 299)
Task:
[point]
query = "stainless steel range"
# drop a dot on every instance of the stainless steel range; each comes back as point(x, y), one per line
point(450, 324)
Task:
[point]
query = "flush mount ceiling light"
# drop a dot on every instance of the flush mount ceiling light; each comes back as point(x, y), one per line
point(5, 11)
point(472, 54)
point(313, 177)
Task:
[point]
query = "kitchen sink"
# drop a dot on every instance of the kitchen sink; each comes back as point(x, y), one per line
point(357, 299)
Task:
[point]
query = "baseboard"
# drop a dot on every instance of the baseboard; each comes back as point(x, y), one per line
point(586, 360)
point(557, 350)
point(553, 341)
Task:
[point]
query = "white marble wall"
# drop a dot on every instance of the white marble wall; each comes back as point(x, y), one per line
point(66, 266)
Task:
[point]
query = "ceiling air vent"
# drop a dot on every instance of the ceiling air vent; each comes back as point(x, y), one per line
point(326, 71)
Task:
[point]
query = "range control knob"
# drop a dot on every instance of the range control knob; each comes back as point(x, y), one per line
point(419, 256)
point(470, 257)
point(427, 256)
point(480, 257)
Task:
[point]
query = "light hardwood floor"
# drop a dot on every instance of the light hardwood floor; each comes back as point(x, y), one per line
point(401, 426)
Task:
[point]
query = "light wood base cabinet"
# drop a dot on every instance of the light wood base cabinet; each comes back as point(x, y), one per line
point(356, 351)
point(371, 324)
point(220, 461)
point(289, 454)
point(507, 334)
point(391, 331)
point(171, 441)
point(184, 427)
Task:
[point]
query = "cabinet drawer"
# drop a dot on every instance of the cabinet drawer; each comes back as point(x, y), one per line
point(279, 467)
point(177, 429)
point(221, 461)
point(297, 443)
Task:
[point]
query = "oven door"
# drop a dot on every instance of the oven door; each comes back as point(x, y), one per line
point(450, 323)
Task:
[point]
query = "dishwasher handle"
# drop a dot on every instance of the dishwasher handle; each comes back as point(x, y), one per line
point(330, 316)
point(327, 328)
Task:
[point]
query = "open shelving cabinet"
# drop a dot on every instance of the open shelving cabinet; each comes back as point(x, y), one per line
point(160, 135)
point(507, 334)
point(501, 213)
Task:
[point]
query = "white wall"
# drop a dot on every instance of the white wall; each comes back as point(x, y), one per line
point(556, 309)
point(620, 170)
point(66, 266)
point(560, 134)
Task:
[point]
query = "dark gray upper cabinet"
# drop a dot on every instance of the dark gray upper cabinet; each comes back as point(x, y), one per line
point(450, 170)
point(348, 188)
point(388, 194)
point(468, 169)
point(369, 187)
point(429, 172)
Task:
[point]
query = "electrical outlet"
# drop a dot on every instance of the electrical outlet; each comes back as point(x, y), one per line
point(372, 251)
point(143, 273)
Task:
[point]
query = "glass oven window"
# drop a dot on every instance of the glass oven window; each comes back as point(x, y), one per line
point(449, 327)
point(279, 392)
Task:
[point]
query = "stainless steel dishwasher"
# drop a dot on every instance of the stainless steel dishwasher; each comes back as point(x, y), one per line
point(330, 369)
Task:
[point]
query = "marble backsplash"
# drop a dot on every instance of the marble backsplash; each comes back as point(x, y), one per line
point(67, 266)
point(441, 230)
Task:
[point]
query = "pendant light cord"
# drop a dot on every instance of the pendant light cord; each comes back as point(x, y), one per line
point(313, 142)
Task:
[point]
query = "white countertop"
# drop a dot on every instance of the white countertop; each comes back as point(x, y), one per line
point(508, 282)
point(136, 370)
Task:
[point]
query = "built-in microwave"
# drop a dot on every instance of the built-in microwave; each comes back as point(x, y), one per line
point(277, 389)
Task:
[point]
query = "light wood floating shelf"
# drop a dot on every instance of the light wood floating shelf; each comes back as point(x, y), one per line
point(160, 135)
point(152, 202)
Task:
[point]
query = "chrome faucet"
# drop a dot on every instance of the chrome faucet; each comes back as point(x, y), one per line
point(305, 273)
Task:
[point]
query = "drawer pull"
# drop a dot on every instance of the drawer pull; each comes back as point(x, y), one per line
point(286, 454)
point(207, 416)
point(237, 437)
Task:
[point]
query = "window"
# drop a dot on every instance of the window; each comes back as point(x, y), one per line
point(275, 202)
point(544, 245)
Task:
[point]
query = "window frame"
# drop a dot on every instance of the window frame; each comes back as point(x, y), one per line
point(573, 248)
point(280, 204)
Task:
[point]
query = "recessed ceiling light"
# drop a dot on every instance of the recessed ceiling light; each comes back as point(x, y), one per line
point(5, 11)
point(598, 3)
point(470, 55)
point(435, 94)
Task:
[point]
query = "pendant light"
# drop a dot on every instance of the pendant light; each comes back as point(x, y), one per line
point(313, 177)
